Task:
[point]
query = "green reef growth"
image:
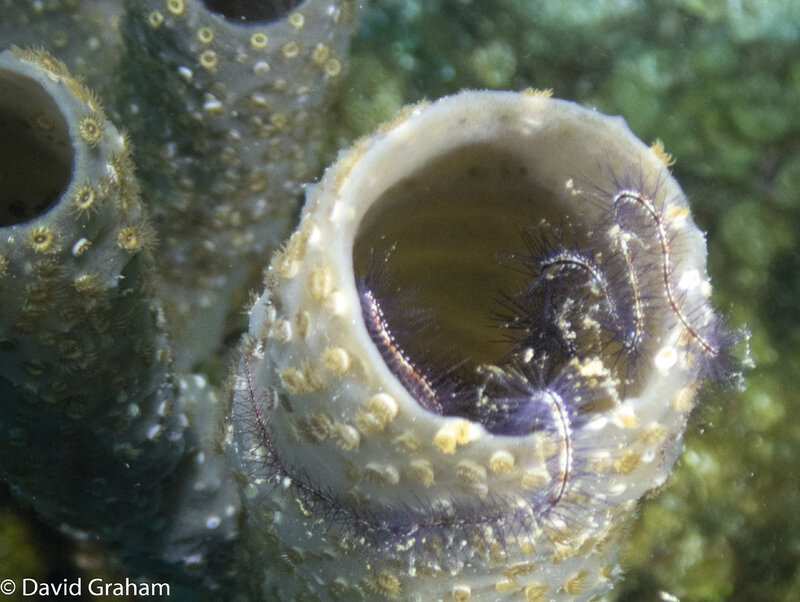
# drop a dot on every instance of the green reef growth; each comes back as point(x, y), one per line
point(227, 112)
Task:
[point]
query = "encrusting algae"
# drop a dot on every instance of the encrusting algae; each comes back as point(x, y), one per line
point(475, 354)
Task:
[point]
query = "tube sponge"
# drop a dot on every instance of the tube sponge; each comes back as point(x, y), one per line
point(475, 354)
point(93, 425)
point(227, 99)
point(83, 355)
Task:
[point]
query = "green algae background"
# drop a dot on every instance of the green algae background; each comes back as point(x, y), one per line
point(719, 83)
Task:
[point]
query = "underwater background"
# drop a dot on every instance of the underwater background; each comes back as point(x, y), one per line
point(718, 82)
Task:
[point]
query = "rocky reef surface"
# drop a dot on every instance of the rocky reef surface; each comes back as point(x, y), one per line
point(718, 83)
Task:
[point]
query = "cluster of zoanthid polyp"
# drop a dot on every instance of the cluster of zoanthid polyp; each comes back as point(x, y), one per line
point(473, 357)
